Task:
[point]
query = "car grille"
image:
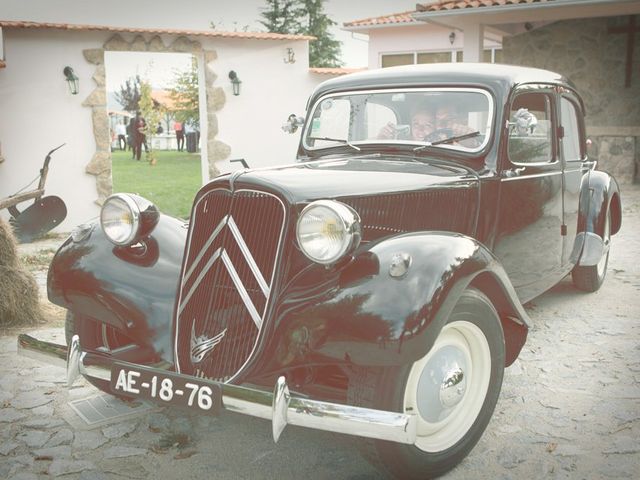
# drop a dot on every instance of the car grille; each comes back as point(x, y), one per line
point(233, 247)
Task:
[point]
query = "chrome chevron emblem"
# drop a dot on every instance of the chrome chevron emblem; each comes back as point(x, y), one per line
point(201, 345)
point(221, 253)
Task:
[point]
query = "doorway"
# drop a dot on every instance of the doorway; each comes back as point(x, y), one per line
point(153, 110)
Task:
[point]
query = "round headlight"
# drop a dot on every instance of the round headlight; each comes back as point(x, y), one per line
point(327, 230)
point(120, 219)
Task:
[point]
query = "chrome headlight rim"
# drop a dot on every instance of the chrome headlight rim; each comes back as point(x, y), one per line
point(349, 221)
point(134, 210)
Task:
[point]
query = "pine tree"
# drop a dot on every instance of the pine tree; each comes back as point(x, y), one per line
point(129, 95)
point(281, 16)
point(305, 17)
point(325, 50)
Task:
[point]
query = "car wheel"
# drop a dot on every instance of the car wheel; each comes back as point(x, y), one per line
point(453, 391)
point(590, 278)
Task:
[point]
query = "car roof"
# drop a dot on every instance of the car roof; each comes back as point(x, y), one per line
point(502, 77)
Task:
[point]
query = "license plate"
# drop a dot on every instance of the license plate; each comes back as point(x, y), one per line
point(165, 387)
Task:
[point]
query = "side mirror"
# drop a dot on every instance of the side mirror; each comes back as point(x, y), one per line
point(293, 122)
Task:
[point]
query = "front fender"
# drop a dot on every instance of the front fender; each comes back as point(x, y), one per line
point(131, 288)
point(600, 195)
point(367, 317)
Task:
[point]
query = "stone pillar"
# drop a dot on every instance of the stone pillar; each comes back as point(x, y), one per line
point(216, 99)
point(100, 163)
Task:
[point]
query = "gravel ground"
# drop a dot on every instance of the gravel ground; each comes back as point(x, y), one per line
point(569, 407)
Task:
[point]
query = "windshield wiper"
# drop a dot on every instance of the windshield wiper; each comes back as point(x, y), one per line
point(340, 140)
point(447, 140)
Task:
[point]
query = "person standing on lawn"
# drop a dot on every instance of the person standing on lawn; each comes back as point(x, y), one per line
point(179, 135)
point(139, 136)
point(190, 130)
point(121, 132)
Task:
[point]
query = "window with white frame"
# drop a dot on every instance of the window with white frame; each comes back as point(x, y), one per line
point(490, 55)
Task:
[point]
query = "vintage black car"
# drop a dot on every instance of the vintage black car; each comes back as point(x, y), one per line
point(372, 288)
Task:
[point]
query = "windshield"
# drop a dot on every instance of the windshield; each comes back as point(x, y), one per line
point(447, 118)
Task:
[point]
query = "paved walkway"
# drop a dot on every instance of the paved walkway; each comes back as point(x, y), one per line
point(569, 408)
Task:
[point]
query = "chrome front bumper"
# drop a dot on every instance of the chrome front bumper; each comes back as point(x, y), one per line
point(280, 407)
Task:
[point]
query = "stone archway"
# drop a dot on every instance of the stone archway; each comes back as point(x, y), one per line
point(100, 164)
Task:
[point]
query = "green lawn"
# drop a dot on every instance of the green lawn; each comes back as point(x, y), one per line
point(171, 184)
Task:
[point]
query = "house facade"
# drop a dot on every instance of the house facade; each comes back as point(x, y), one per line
point(401, 39)
point(595, 43)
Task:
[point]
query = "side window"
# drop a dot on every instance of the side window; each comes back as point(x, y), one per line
point(530, 129)
point(571, 140)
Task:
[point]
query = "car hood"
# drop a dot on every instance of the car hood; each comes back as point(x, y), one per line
point(347, 177)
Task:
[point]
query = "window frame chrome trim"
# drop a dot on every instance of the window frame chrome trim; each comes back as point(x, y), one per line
point(490, 121)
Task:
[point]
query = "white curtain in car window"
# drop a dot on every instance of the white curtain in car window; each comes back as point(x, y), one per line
point(571, 139)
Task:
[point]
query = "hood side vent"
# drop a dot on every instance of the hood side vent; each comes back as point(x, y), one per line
point(392, 214)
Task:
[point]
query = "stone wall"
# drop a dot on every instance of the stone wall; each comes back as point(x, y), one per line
point(595, 61)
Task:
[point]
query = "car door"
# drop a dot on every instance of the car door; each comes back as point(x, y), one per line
point(575, 166)
point(529, 225)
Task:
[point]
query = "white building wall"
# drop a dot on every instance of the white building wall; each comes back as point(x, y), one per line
point(270, 91)
point(418, 38)
point(37, 112)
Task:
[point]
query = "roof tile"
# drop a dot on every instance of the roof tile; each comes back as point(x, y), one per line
point(104, 28)
point(394, 18)
point(443, 5)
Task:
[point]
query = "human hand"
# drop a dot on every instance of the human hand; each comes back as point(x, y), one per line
point(388, 131)
point(458, 129)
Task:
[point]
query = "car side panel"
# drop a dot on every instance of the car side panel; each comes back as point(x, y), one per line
point(131, 289)
point(365, 316)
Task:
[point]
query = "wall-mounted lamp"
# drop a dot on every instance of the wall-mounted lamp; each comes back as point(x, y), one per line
point(235, 82)
point(72, 80)
point(289, 56)
point(452, 37)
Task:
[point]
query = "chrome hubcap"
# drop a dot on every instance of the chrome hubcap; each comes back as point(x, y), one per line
point(442, 383)
point(452, 388)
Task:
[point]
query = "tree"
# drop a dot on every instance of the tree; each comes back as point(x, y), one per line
point(129, 95)
point(185, 94)
point(305, 17)
point(152, 113)
point(281, 16)
point(325, 50)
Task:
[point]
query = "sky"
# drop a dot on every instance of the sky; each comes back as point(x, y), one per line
point(156, 68)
